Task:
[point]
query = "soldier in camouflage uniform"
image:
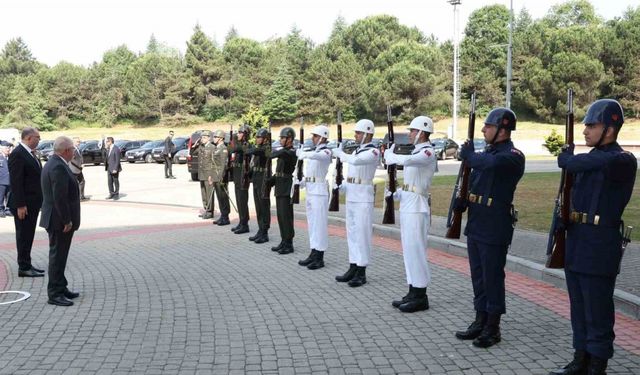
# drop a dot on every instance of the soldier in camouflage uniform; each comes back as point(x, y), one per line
point(205, 173)
point(259, 154)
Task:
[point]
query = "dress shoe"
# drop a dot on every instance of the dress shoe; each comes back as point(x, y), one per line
point(262, 239)
point(419, 301)
point(256, 236)
point(235, 228)
point(474, 330)
point(242, 229)
point(116, 196)
point(37, 270)
point(84, 199)
point(305, 262)
point(578, 366)
point(59, 301)
point(397, 303)
point(490, 334)
point(278, 247)
point(110, 196)
point(222, 221)
point(597, 366)
point(70, 295)
point(8, 213)
point(287, 248)
point(200, 215)
point(172, 177)
point(359, 279)
point(2, 214)
point(318, 261)
point(29, 273)
point(347, 275)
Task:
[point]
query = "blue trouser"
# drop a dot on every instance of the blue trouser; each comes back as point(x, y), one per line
point(4, 193)
point(487, 275)
point(592, 312)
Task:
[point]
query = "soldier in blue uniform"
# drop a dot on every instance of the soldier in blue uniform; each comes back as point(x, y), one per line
point(604, 180)
point(494, 176)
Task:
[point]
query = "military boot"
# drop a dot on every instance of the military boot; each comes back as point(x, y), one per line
point(255, 236)
point(597, 366)
point(207, 215)
point(576, 367)
point(242, 228)
point(277, 248)
point(318, 261)
point(236, 227)
point(418, 302)
point(490, 334)
point(474, 330)
point(223, 220)
point(309, 259)
point(347, 275)
point(360, 277)
point(404, 299)
point(262, 239)
point(287, 248)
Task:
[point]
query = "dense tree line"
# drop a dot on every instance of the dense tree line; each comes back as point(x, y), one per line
point(360, 69)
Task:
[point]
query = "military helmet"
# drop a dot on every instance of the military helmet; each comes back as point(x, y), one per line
point(219, 134)
point(365, 126)
point(288, 132)
point(422, 123)
point(205, 133)
point(262, 133)
point(502, 118)
point(321, 130)
point(245, 129)
point(605, 111)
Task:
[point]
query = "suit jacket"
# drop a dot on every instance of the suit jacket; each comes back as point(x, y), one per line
point(113, 160)
point(24, 175)
point(61, 203)
point(169, 147)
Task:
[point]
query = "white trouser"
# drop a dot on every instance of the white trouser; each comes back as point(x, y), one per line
point(414, 231)
point(317, 213)
point(359, 232)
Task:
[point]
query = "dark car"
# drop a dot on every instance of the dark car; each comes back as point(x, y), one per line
point(180, 143)
point(43, 146)
point(445, 147)
point(92, 152)
point(143, 153)
point(478, 144)
point(129, 145)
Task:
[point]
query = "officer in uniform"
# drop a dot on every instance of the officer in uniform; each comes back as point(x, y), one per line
point(360, 194)
point(491, 220)
point(317, 200)
point(418, 171)
point(259, 154)
point(220, 159)
point(238, 151)
point(205, 173)
point(282, 179)
point(604, 180)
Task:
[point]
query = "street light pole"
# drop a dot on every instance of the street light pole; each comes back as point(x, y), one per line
point(455, 4)
point(509, 53)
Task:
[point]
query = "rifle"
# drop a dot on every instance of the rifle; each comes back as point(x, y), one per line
point(266, 188)
point(389, 209)
point(245, 181)
point(228, 175)
point(461, 189)
point(295, 197)
point(626, 238)
point(334, 204)
point(562, 210)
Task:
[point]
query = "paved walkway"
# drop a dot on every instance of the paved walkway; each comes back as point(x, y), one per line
point(164, 293)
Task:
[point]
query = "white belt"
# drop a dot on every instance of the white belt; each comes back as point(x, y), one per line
point(315, 179)
point(415, 189)
point(359, 181)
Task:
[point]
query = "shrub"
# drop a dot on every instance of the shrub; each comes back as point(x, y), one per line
point(554, 142)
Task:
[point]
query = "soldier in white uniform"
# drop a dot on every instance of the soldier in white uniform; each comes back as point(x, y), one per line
point(359, 191)
point(418, 171)
point(317, 201)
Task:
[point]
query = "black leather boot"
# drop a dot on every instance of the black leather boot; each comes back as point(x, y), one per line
point(242, 228)
point(235, 228)
point(255, 236)
point(347, 275)
point(578, 366)
point(223, 220)
point(404, 299)
point(360, 277)
point(318, 261)
point(309, 259)
point(262, 239)
point(490, 334)
point(287, 248)
point(418, 302)
point(597, 366)
point(277, 248)
point(474, 330)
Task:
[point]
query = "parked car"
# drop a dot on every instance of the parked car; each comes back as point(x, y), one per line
point(445, 147)
point(129, 145)
point(143, 153)
point(181, 157)
point(179, 142)
point(478, 144)
point(92, 153)
point(42, 146)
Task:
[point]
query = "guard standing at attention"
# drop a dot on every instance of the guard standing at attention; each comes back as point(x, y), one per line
point(282, 179)
point(603, 184)
point(205, 173)
point(317, 200)
point(415, 213)
point(258, 169)
point(220, 160)
point(238, 150)
point(494, 176)
point(359, 191)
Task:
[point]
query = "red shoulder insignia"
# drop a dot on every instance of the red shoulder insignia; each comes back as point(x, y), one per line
point(516, 151)
point(427, 152)
point(327, 152)
point(375, 152)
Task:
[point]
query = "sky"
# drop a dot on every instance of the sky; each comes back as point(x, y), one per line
point(80, 31)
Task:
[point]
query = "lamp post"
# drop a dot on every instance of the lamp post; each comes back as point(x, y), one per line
point(509, 49)
point(455, 4)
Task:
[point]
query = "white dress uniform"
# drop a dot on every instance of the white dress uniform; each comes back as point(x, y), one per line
point(317, 201)
point(359, 197)
point(418, 171)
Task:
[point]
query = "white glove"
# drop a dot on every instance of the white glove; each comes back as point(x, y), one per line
point(302, 183)
point(392, 148)
point(337, 152)
point(398, 194)
point(300, 153)
point(342, 188)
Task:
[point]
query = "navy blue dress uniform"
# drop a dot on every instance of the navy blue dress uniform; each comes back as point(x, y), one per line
point(282, 179)
point(259, 154)
point(242, 195)
point(603, 184)
point(494, 176)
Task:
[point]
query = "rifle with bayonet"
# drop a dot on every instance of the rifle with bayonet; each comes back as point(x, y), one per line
point(245, 181)
point(266, 188)
point(460, 192)
point(295, 197)
point(228, 174)
point(334, 203)
point(561, 211)
point(389, 209)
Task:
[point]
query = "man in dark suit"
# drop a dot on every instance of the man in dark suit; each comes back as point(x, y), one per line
point(113, 168)
point(26, 198)
point(167, 153)
point(60, 217)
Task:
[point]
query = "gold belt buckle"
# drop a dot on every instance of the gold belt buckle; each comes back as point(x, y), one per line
point(596, 220)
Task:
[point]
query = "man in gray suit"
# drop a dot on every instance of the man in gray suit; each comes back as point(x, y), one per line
point(5, 187)
point(60, 217)
point(113, 168)
point(76, 167)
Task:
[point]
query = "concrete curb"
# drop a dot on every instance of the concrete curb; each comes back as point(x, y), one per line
point(625, 302)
